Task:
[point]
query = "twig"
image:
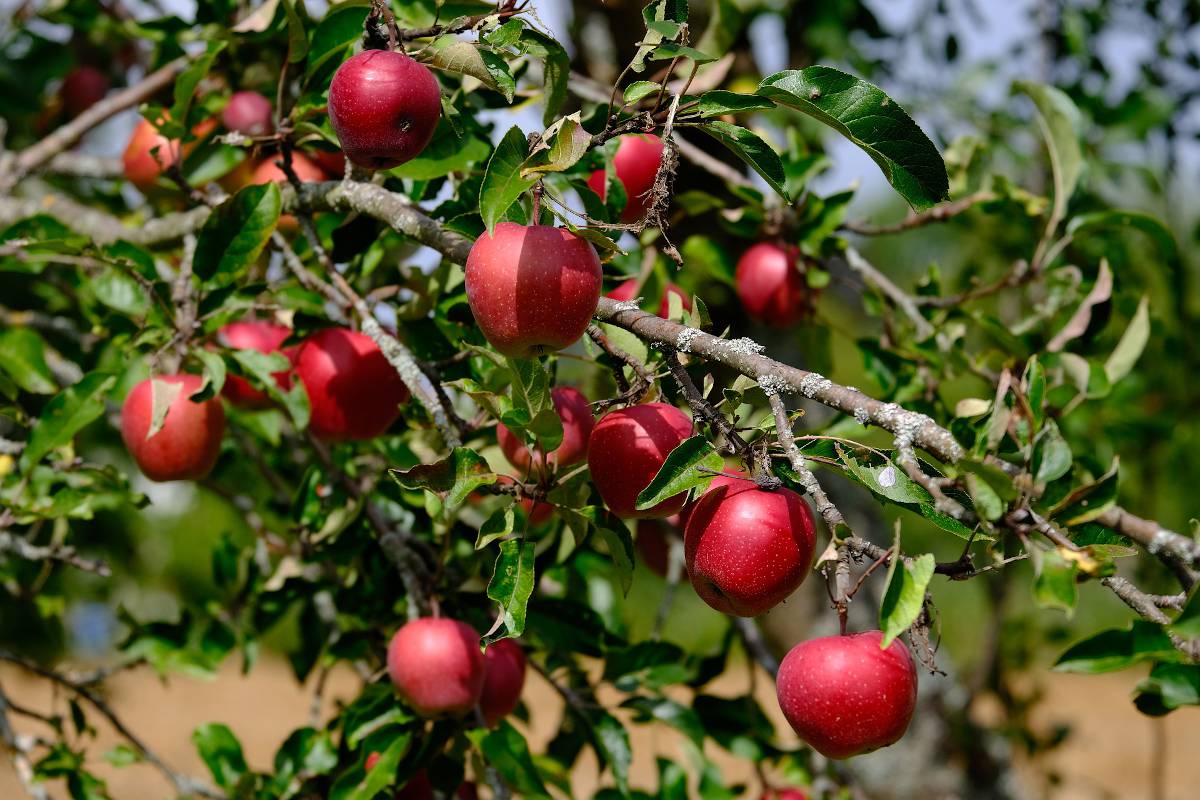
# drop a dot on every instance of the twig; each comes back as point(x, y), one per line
point(734, 443)
point(783, 430)
point(939, 213)
point(756, 645)
point(19, 748)
point(17, 546)
point(901, 299)
point(184, 784)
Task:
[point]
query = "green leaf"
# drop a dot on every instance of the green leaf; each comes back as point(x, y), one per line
point(640, 89)
point(663, 709)
point(719, 102)
point(214, 373)
point(452, 54)
point(1169, 687)
point(335, 34)
point(503, 183)
point(67, 413)
point(556, 70)
point(120, 292)
point(1148, 224)
point(122, 755)
point(1051, 454)
point(949, 523)
point(1133, 342)
point(681, 471)
point(747, 146)
point(870, 119)
point(1060, 124)
point(563, 144)
point(886, 479)
point(360, 784)
point(445, 154)
point(23, 357)
point(657, 12)
point(1089, 501)
point(620, 547)
point(500, 524)
point(297, 37)
point(234, 235)
point(512, 583)
point(506, 750)
point(185, 87)
point(1055, 585)
point(905, 593)
point(162, 395)
point(651, 664)
point(987, 502)
point(612, 745)
point(263, 367)
point(221, 752)
point(454, 477)
point(1117, 649)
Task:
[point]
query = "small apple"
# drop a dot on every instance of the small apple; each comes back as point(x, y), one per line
point(353, 392)
point(624, 292)
point(384, 108)
point(248, 113)
point(268, 170)
point(748, 549)
point(784, 794)
point(577, 422)
point(626, 450)
point(264, 337)
point(82, 88)
point(437, 667)
point(770, 284)
point(188, 443)
point(504, 677)
point(533, 288)
point(636, 164)
point(845, 695)
point(143, 163)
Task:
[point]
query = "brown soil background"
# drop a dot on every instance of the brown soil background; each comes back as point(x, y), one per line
point(1107, 756)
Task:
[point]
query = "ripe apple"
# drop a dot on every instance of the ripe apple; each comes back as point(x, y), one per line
point(532, 289)
point(784, 794)
point(845, 696)
point(770, 285)
point(265, 337)
point(577, 422)
point(82, 88)
point(187, 444)
point(626, 450)
point(268, 170)
point(748, 549)
point(353, 391)
point(624, 292)
point(248, 113)
point(437, 667)
point(334, 163)
point(636, 164)
point(143, 164)
point(504, 677)
point(384, 108)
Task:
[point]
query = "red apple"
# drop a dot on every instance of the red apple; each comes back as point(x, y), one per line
point(624, 292)
point(333, 163)
point(577, 421)
point(626, 450)
point(532, 289)
point(353, 391)
point(535, 514)
point(437, 667)
point(264, 337)
point(748, 549)
point(845, 696)
point(636, 164)
point(784, 794)
point(248, 113)
point(143, 164)
point(268, 170)
point(770, 285)
point(82, 88)
point(187, 444)
point(468, 792)
point(504, 677)
point(384, 108)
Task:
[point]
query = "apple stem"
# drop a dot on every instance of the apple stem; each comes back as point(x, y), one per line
point(538, 190)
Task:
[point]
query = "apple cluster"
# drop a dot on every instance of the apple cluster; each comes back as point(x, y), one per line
point(353, 393)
